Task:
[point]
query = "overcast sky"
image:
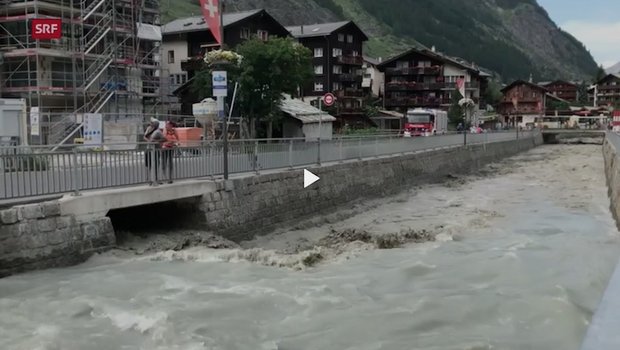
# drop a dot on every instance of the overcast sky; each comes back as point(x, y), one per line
point(596, 23)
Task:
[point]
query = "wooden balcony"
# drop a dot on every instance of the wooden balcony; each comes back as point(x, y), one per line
point(350, 60)
point(192, 64)
point(434, 70)
point(413, 86)
point(349, 78)
point(417, 102)
point(349, 93)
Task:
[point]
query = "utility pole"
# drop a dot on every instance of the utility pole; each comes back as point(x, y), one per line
point(222, 99)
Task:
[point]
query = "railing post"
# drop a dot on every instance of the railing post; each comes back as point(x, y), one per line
point(318, 151)
point(255, 157)
point(154, 164)
point(77, 181)
point(290, 154)
point(359, 148)
point(464, 136)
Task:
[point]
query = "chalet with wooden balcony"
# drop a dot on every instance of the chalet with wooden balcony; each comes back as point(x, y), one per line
point(186, 40)
point(563, 89)
point(426, 78)
point(608, 90)
point(337, 61)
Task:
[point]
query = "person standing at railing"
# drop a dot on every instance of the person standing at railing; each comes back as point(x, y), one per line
point(172, 141)
point(155, 138)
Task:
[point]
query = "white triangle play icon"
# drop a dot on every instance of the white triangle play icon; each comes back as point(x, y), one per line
point(309, 178)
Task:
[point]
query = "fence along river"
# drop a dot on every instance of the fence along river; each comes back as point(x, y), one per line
point(520, 258)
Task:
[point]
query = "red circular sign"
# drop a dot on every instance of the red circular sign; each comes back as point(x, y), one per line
point(329, 99)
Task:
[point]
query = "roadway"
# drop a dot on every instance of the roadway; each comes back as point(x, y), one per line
point(106, 169)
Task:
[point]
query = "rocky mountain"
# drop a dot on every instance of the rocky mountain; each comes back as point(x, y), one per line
point(615, 69)
point(514, 38)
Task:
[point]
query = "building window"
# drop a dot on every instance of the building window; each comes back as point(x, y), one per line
point(245, 33)
point(318, 87)
point(337, 86)
point(178, 79)
point(355, 53)
point(318, 70)
point(263, 35)
point(318, 52)
point(341, 38)
point(336, 52)
point(349, 38)
point(170, 56)
point(337, 69)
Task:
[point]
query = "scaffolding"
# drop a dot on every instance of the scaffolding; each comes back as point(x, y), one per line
point(107, 61)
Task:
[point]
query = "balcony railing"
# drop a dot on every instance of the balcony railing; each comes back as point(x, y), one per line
point(417, 102)
point(434, 70)
point(413, 86)
point(351, 60)
point(349, 77)
point(470, 85)
point(349, 93)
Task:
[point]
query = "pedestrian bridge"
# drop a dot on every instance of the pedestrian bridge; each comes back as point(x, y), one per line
point(554, 135)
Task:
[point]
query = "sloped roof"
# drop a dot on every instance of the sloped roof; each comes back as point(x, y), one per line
point(197, 23)
point(321, 29)
point(457, 61)
point(523, 82)
point(617, 76)
point(371, 60)
point(308, 30)
point(304, 112)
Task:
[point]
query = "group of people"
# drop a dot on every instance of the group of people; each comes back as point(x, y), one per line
point(163, 145)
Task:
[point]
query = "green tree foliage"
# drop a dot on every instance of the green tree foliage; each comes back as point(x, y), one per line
point(493, 94)
point(557, 105)
point(600, 73)
point(455, 113)
point(582, 92)
point(268, 69)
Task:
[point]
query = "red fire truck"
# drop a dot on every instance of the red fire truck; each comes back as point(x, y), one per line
point(425, 122)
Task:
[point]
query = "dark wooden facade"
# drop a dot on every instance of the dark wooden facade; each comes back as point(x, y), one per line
point(337, 50)
point(523, 98)
point(608, 91)
point(563, 89)
point(417, 78)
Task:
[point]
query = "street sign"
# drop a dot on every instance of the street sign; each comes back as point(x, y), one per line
point(34, 121)
point(93, 129)
point(329, 99)
point(220, 84)
point(46, 28)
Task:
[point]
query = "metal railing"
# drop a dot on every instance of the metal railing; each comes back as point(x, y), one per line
point(28, 172)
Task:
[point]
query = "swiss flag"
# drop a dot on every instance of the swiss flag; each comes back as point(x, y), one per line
point(460, 85)
point(211, 12)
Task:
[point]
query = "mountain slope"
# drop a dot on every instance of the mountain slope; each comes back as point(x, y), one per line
point(615, 69)
point(514, 38)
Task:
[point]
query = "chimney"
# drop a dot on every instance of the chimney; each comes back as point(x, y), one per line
point(380, 59)
point(433, 48)
point(302, 29)
point(531, 78)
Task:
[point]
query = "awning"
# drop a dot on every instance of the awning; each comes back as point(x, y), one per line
point(304, 112)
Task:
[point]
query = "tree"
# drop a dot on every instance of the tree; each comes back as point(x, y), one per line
point(455, 113)
point(600, 73)
point(582, 92)
point(267, 70)
point(493, 94)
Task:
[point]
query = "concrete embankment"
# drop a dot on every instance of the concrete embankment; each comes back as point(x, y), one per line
point(602, 333)
point(49, 234)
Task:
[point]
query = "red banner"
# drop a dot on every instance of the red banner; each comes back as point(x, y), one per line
point(46, 28)
point(211, 12)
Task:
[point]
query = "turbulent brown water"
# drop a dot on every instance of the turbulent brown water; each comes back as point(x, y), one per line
point(516, 257)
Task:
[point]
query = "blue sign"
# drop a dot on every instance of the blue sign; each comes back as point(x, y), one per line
point(220, 84)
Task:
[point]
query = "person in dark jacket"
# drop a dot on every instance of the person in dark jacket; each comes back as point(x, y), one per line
point(155, 137)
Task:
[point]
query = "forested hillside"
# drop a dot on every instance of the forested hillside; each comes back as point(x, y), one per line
point(514, 38)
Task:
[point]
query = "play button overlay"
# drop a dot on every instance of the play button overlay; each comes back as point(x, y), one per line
point(309, 178)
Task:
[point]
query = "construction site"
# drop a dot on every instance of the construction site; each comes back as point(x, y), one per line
point(106, 62)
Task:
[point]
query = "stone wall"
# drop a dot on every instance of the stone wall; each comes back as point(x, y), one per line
point(36, 236)
point(612, 173)
point(242, 208)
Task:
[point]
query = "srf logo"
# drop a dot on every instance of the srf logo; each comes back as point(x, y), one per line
point(46, 28)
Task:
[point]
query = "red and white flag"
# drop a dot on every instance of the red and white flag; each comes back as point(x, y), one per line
point(460, 85)
point(211, 12)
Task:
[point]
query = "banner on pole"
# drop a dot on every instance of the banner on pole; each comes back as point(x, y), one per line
point(93, 129)
point(35, 124)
